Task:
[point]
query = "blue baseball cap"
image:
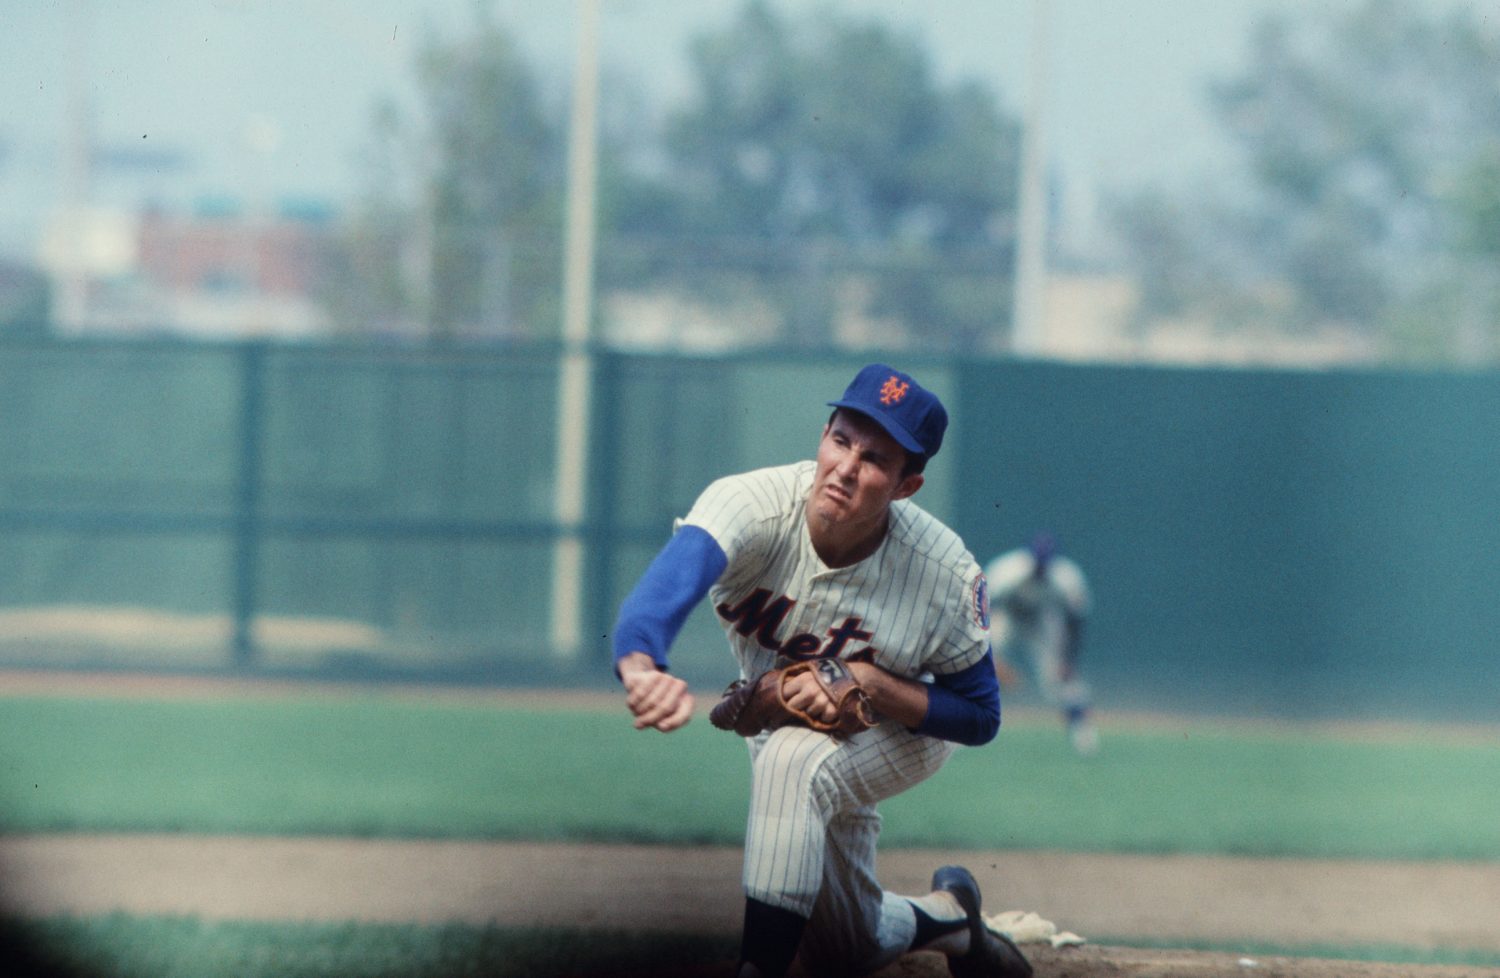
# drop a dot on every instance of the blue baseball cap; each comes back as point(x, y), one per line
point(909, 412)
point(1043, 546)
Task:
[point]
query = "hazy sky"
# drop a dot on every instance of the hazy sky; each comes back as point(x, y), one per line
point(272, 98)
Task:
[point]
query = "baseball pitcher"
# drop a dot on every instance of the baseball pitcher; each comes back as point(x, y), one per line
point(859, 624)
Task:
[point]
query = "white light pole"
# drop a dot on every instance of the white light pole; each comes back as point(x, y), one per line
point(576, 368)
point(1028, 318)
point(73, 283)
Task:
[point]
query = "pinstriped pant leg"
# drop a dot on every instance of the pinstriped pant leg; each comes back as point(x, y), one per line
point(851, 926)
point(810, 845)
point(790, 805)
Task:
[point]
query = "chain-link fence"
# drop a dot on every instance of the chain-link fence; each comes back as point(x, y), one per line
point(1282, 541)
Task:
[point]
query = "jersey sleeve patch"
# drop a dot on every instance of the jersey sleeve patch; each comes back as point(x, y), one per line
point(980, 602)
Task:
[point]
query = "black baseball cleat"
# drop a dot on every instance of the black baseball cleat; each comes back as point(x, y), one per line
point(990, 955)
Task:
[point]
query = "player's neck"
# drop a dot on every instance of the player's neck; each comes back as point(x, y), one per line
point(845, 544)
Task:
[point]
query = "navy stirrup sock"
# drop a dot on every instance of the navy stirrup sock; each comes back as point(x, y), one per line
point(770, 938)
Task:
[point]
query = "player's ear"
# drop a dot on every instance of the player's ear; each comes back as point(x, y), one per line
point(909, 485)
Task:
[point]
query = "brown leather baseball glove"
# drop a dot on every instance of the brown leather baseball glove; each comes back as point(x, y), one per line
point(748, 707)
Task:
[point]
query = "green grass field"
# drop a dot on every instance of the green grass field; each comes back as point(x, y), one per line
point(384, 765)
point(388, 766)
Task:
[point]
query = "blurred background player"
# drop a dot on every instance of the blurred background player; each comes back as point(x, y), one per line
point(1038, 602)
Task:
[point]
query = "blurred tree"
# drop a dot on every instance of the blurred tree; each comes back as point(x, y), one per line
point(807, 151)
point(1359, 130)
point(1475, 200)
point(819, 170)
point(370, 290)
point(495, 186)
point(459, 234)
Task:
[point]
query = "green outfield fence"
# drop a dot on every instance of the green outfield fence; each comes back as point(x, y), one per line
point(1282, 541)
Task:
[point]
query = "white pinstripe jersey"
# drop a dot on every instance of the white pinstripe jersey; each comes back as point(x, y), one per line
point(918, 601)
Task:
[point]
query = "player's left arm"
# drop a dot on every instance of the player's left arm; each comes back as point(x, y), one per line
point(962, 703)
point(963, 699)
point(963, 707)
point(894, 697)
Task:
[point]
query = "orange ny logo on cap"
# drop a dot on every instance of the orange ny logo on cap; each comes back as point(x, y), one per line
point(893, 390)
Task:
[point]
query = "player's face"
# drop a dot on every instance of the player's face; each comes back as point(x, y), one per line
point(858, 473)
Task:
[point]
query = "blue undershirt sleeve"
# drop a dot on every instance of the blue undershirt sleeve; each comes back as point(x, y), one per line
point(652, 614)
point(964, 706)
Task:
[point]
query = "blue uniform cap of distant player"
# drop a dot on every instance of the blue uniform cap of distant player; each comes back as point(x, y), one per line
point(909, 412)
point(1043, 547)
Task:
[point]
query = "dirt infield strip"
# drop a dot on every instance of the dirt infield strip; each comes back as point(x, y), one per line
point(1286, 902)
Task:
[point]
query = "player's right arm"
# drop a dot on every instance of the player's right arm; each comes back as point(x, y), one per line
point(650, 618)
point(657, 699)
